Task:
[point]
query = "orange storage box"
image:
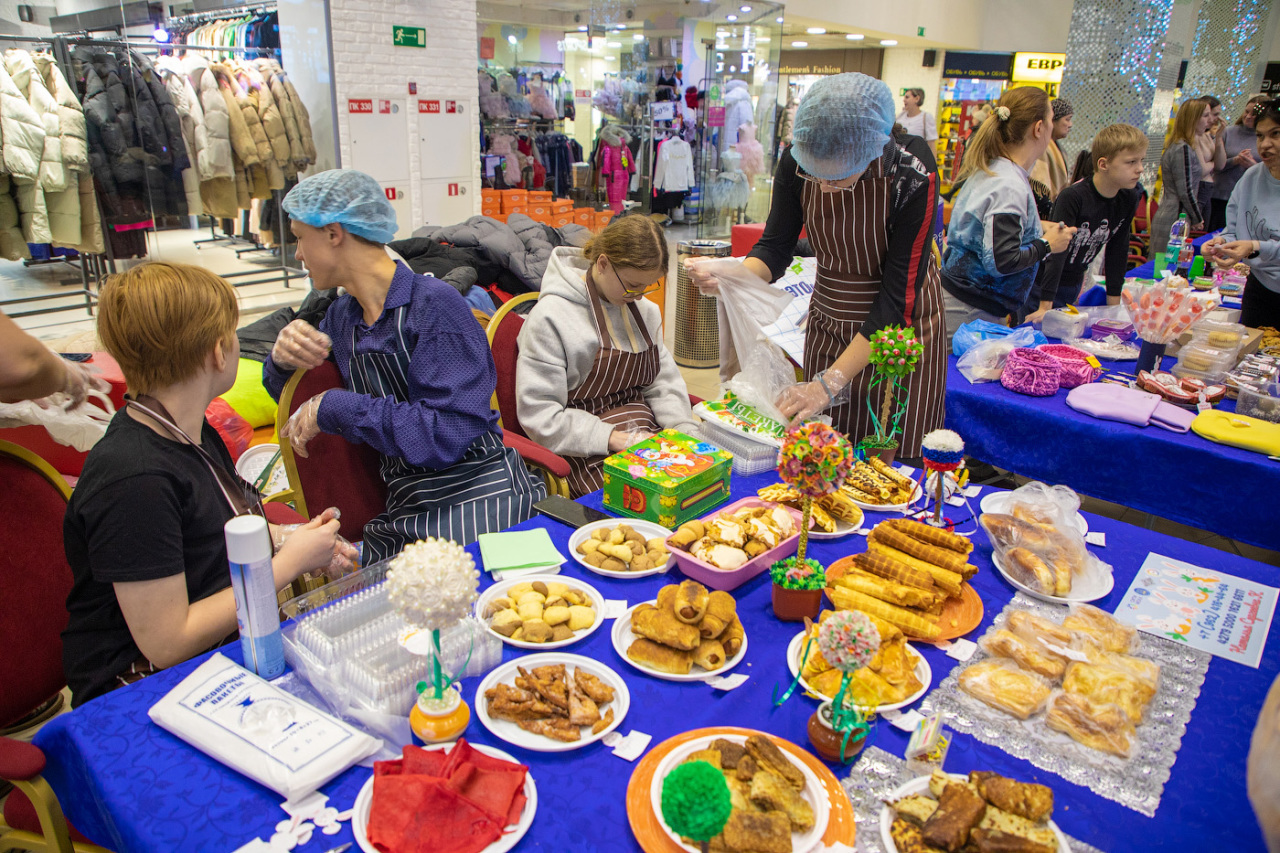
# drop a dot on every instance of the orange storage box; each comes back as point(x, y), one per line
point(490, 210)
point(540, 195)
point(544, 218)
point(602, 219)
point(561, 206)
point(585, 216)
point(501, 217)
point(560, 220)
point(539, 208)
point(517, 209)
point(490, 198)
point(514, 197)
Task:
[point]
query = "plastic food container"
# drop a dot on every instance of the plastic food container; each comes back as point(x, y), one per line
point(1218, 335)
point(749, 457)
point(1205, 362)
point(1063, 325)
point(1122, 329)
point(714, 578)
point(1262, 403)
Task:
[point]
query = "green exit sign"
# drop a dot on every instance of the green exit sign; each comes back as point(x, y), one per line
point(409, 36)
point(920, 31)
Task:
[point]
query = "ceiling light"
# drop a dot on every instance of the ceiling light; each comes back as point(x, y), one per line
point(888, 42)
point(611, 59)
point(638, 36)
point(855, 36)
point(731, 17)
point(582, 29)
point(745, 9)
point(512, 39)
point(799, 44)
point(816, 31)
point(763, 40)
point(615, 44)
point(161, 35)
point(778, 19)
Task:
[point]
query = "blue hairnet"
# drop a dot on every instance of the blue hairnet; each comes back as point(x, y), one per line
point(842, 124)
point(344, 197)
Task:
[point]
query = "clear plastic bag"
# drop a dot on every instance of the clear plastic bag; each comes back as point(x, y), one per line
point(757, 368)
point(984, 360)
point(1109, 632)
point(1005, 686)
point(79, 428)
point(975, 332)
point(1038, 543)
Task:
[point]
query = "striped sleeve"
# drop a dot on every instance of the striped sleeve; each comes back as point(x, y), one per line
point(907, 257)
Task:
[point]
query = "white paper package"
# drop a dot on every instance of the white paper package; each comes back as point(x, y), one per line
point(276, 739)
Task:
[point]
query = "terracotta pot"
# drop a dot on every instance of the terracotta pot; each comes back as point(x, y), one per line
point(886, 454)
point(827, 741)
point(793, 605)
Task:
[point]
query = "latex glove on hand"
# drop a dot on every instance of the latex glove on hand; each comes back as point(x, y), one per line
point(80, 380)
point(1230, 254)
point(300, 346)
point(707, 282)
point(803, 400)
point(304, 425)
point(344, 557)
point(622, 438)
point(309, 547)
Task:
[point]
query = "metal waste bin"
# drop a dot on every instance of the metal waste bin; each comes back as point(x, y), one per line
point(697, 342)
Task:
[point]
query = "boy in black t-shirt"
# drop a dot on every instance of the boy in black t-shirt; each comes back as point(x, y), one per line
point(1101, 209)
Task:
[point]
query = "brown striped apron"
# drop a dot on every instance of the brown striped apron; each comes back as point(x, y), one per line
point(613, 391)
point(849, 234)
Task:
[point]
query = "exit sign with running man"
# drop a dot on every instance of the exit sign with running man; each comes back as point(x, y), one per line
point(409, 36)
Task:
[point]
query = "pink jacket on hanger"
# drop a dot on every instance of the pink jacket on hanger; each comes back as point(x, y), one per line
point(616, 167)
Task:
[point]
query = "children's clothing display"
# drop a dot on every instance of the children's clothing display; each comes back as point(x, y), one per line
point(752, 153)
point(617, 164)
point(729, 189)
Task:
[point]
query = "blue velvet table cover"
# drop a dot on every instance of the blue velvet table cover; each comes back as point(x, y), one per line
point(1148, 270)
point(130, 785)
point(1179, 476)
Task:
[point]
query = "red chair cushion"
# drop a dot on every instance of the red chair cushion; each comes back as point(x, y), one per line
point(505, 352)
point(278, 513)
point(337, 472)
point(531, 451)
point(20, 814)
point(34, 581)
point(19, 760)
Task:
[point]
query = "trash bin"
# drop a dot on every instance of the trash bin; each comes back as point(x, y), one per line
point(697, 342)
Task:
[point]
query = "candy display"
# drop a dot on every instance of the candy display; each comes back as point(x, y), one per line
point(731, 411)
point(1180, 390)
point(1254, 370)
point(895, 354)
point(848, 640)
point(1160, 312)
point(815, 460)
point(888, 678)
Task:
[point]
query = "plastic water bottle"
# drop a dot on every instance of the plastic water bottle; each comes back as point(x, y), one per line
point(1179, 244)
point(254, 585)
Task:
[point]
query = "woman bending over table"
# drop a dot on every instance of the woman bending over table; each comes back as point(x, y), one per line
point(143, 532)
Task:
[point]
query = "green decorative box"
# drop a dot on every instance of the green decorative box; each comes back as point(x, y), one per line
point(667, 479)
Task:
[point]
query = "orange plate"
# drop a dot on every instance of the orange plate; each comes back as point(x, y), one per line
point(966, 611)
point(647, 827)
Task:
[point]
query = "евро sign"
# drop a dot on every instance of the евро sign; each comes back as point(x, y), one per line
point(977, 66)
point(1038, 67)
point(409, 36)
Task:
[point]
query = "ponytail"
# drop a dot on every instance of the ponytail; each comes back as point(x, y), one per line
point(1011, 121)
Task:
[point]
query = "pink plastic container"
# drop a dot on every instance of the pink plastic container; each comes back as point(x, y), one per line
point(714, 578)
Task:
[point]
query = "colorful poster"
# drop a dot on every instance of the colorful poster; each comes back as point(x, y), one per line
point(1209, 610)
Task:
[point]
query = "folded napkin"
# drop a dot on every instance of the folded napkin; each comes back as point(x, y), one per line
point(519, 550)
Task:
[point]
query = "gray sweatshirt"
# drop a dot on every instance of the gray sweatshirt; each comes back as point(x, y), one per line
point(1253, 213)
point(558, 346)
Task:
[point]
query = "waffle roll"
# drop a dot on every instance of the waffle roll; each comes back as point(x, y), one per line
point(886, 590)
point(944, 557)
point(948, 580)
point(930, 535)
point(911, 624)
point(890, 569)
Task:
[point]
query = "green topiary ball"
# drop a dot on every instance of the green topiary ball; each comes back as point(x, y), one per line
point(695, 800)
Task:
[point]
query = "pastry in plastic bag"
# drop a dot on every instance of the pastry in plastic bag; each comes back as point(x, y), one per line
point(1100, 726)
point(1005, 686)
point(1033, 628)
point(1146, 671)
point(1109, 684)
point(1006, 644)
point(1110, 633)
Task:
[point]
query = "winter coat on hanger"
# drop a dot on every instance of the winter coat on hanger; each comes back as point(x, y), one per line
point(13, 246)
point(297, 123)
point(24, 135)
point(51, 192)
point(216, 163)
point(738, 110)
point(505, 146)
point(616, 164)
point(250, 174)
point(272, 122)
point(540, 102)
point(184, 100)
point(75, 151)
point(253, 120)
point(752, 152)
point(159, 132)
point(674, 172)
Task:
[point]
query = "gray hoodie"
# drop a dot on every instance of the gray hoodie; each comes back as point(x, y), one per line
point(558, 345)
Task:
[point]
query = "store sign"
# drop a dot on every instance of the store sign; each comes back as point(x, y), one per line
point(819, 62)
point(1271, 78)
point(664, 111)
point(360, 105)
point(486, 48)
point(1038, 67)
point(977, 66)
point(715, 117)
point(429, 107)
point(409, 36)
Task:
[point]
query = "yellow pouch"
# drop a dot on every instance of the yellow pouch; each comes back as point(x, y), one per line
point(1238, 431)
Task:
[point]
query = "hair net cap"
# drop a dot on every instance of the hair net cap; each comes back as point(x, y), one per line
point(842, 124)
point(344, 197)
point(1062, 108)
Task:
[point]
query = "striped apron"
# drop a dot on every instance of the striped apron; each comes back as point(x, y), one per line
point(486, 491)
point(613, 391)
point(849, 234)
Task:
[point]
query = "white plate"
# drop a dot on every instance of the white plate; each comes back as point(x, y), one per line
point(500, 588)
point(517, 736)
point(250, 464)
point(923, 672)
point(647, 529)
point(920, 785)
point(623, 638)
point(843, 529)
point(364, 802)
point(1097, 585)
point(915, 497)
point(814, 792)
point(1002, 502)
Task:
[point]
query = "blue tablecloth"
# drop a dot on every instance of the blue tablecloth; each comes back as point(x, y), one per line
point(1179, 476)
point(1148, 270)
point(131, 786)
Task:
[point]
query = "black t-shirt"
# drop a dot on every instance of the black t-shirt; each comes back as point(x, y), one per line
point(1102, 222)
point(145, 508)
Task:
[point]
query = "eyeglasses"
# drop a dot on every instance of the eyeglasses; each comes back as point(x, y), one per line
point(631, 291)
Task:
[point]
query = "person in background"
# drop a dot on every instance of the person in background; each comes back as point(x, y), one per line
point(593, 377)
point(416, 369)
point(916, 121)
point(1240, 148)
point(1252, 233)
point(1180, 173)
point(29, 370)
point(1212, 154)
point(868, 206)
point(1050, 175)
point(917, 146)
point(1101, 210)
point(143, 531)
point(996, 239)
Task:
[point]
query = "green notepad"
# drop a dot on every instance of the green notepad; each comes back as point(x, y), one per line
point(518, 549)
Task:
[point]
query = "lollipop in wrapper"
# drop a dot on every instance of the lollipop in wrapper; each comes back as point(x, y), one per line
point(1160, 312)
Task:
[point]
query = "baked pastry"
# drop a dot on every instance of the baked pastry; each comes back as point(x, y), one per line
point(890, 569)
point(709, 655)
point(733, 637)
point(907, 837)
point(770, 757)
point(661, 658)
point(760, 832)
point(1007, 823)
point(1006, 644)
point(1005, 686)
point(1111, 634)
point(917, 809)
point(1024, 799)
point(1109, 685)
point(1106, 728)
point(770, 792)
point(730, 753)
point(932, 535)
point(1030, 627)
point(661, 626)
point(959, 810)
point(997, 841)
point(1146, 671)
point(938, 556)
point(1024, 565)
point(711, 756)
point(721, 609)
point(691, 602)
point(886, 590)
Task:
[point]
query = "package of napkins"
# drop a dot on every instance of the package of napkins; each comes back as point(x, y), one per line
point(515, 551)
point(274, 738)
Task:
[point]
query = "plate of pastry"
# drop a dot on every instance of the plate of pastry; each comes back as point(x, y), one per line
point(778, 802)
point(992, 812)
point(478, 797)
point(686, 634)
point(832, 516)
point(621, 549)
point(879, 487)
point(541, 611)
point(1003, 501)
point(552, 702)
point(1034, 576)
point(894, 679)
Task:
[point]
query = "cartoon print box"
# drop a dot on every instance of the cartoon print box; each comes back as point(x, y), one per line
point(667, 479)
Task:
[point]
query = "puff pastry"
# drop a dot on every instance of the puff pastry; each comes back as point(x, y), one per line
point(1031, 627)
point(1005, 686)
point(1106, 728)
point(1109, 685)
point(1006, 644)
point(1112, 635)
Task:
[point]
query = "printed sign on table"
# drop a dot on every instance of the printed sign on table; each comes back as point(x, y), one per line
point(1209, 610)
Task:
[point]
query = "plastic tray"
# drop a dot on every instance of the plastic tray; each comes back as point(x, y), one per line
point(1261, 403)
point(715, 578)
point(749, 457)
